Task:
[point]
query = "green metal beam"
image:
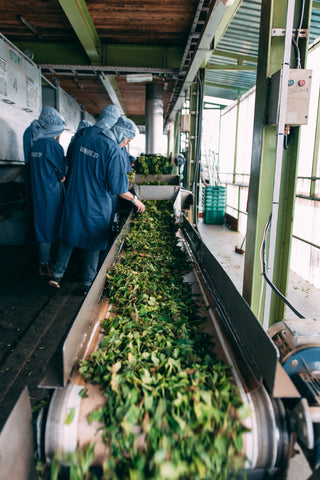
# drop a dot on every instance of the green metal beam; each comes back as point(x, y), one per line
point(79, 17)
point(115, 55)
point(138, 119)
point(55, 53)
point(110, 84)
point(227, 18)
point(227, 87)
point(235, 56)
point(143, 55)
point(242, 68)
point(233, 6)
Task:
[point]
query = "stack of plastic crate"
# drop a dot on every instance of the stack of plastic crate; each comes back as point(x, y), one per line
point(214, 200)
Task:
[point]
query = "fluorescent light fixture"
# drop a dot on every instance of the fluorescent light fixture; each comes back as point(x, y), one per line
point(139, 77)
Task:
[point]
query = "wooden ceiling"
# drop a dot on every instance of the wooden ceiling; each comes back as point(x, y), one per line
point(89, 47)
point(134, 35)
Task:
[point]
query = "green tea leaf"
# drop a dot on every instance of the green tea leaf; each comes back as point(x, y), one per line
point(70, 416)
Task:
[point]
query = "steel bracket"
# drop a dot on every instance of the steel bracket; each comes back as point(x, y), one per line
point(280, 32)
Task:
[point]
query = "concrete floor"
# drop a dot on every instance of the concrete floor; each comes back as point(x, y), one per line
point(221, 241)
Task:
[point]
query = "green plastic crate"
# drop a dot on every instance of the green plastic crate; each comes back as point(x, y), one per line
point(214, 200)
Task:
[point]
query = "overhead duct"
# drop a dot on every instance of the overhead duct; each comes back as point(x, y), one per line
point(154, 117)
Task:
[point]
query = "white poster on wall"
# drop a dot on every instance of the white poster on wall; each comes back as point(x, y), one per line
point(20, 99)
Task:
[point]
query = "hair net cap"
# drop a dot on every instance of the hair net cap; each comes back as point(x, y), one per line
point(45, 112)
point(50, 117)
point(127, 126)
point(108, 116)
point(84, 124)
point(51, 123)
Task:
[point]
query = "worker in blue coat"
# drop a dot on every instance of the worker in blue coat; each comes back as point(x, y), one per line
point(83, 124)
point(98, 173)
point(126, 158)
point(31, 130)
point(47, 173)
point(108, 117)
point(115, 222)
point(132, 160)
point(28, 138)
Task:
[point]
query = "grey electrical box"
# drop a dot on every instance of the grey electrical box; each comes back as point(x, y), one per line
point(185, 122)
point(299, 88)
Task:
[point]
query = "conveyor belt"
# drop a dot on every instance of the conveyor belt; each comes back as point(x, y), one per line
point(267, 444)
point(239, 339)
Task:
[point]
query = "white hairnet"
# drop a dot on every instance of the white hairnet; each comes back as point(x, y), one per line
point(51, 124)
point(108, 117)
point(124, 128)
point(84, 124)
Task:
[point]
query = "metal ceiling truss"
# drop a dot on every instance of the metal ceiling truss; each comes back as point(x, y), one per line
point(216, 16)
point(203, 10)
point(93, 70)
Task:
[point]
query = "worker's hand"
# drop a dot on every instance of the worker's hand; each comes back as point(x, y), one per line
point(63, 179)
point(140, 207)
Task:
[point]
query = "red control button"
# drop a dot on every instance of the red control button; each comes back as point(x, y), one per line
point(301, 83)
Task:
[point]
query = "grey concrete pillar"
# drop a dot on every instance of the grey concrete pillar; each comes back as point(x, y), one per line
point(154, 117)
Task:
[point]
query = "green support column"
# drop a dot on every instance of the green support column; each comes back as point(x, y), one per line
point(236, 143)
point(176, 133)
point(270, 58)
point(176, 139)
point(192, 134)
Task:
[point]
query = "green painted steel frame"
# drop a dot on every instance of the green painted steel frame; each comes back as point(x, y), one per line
point(273, 14)
point(79, 17)
point(125, 55)
point(193, 135)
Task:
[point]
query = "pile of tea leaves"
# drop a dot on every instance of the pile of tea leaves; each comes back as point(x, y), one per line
point(172, 410)
point(153, 165)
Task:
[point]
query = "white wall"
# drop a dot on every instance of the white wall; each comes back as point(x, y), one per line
point(305, 259)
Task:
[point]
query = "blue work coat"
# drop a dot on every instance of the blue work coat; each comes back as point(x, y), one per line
point(127, 166)
point(47, 169)
point(28, 139)
point(74, 139)
point(127, 160)
point(76, 136)
point(97, 174)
